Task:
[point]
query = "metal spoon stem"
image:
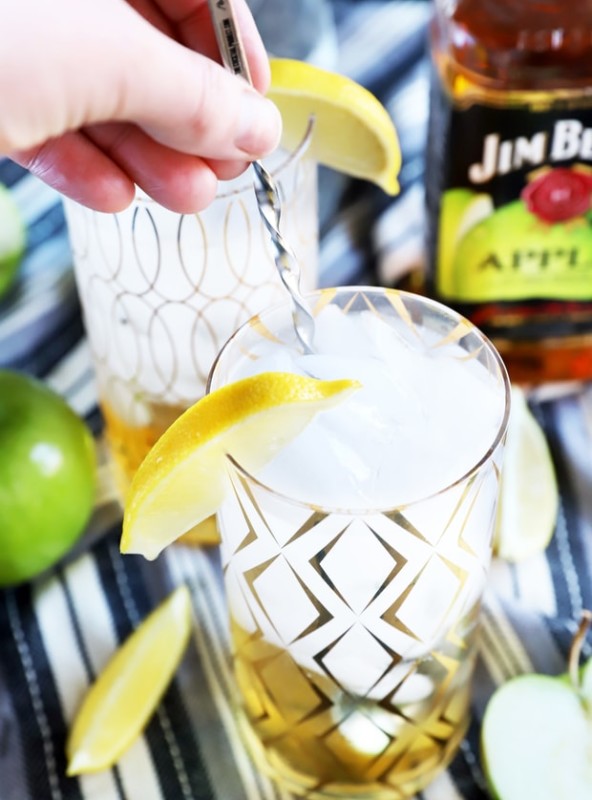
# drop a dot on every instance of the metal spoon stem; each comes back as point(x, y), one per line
point(266, 190)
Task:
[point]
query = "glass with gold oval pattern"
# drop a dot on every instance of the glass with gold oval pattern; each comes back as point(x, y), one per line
point(161, 292)
point(354, 627)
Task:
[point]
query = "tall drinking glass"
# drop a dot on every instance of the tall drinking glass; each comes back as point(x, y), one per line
point(354, 629)
point(161, 292)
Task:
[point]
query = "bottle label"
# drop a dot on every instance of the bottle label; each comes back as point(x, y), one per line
point(512, 206)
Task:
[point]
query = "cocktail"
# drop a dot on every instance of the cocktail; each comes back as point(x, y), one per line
point(355, 546)
point(356, 489)
point(356, 559)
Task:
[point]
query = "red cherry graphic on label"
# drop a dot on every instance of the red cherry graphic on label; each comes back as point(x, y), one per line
point(559, 195)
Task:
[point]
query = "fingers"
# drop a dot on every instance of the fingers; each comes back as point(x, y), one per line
point(100, 170)
point(194, 28)
point(227, 170)
point(181, 121)
point(77, 168)
point(151, 11)
point(184, 99)
point(178, 181)
point(189, 103)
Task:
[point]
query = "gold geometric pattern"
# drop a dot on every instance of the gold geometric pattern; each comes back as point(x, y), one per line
point(356, 681)
point(161, 292)
point(354, 634)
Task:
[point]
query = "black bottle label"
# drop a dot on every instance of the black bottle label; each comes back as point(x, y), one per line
point(509, 195)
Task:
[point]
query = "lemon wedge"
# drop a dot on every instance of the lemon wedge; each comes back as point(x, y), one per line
point(124, 696)
point(353, 132)
point(183, 479)
point(529, 497)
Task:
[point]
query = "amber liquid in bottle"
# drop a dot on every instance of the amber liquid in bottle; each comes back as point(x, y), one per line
point(509, 187)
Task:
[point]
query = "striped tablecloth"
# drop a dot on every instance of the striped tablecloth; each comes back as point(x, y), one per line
point(58, 632)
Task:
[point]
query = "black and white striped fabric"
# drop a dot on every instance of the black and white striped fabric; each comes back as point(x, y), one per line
point(57, 633)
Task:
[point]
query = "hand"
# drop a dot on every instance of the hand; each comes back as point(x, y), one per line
point(99, 95)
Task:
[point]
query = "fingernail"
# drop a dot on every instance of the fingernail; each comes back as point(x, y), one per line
point(259, 125)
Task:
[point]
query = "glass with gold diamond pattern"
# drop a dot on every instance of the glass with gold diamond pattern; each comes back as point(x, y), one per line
point(355, 562)
point(161, 292)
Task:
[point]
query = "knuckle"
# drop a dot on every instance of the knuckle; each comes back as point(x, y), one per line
point(38, 160)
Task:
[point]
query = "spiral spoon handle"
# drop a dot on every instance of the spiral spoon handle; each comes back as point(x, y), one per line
point(266, 190)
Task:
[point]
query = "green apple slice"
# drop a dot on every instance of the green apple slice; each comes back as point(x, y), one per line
point(12, 239)
point(529, 498)
point(536, 741)
point(586, 683)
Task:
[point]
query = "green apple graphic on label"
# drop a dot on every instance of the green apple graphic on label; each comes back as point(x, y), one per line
point(536, 736)
point(460, 210)
point(537, 246)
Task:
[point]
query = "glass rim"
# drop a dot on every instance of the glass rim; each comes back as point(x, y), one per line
point(401, 507)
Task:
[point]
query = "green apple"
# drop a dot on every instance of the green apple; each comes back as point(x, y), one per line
point(12, 239)
point(536, 737)
point(47, 477)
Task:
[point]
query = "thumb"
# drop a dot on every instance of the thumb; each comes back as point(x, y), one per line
point(192, 104)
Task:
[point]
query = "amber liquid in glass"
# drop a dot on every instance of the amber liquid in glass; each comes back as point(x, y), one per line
point(128, 446)
point(323, 741)
point(535, 59)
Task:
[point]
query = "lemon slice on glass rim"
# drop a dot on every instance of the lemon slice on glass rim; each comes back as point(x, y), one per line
point(352, 132)
point(183, 479)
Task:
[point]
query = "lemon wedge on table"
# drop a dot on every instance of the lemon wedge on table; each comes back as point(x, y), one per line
point(124, 696)
point(183, 479)
point(353, 132)
point(529, 497)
